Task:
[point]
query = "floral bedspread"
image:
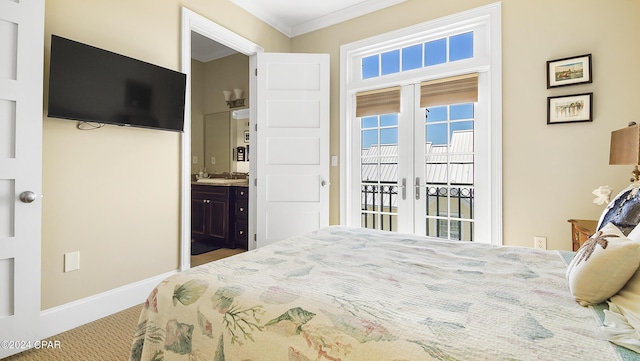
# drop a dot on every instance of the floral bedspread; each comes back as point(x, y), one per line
point(344, 293)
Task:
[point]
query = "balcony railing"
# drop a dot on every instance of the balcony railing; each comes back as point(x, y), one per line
point(462, 200)
point(379, 198)
point(379, 205)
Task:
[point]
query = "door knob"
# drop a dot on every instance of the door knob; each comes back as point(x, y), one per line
point(324, 183)
point(27, 197)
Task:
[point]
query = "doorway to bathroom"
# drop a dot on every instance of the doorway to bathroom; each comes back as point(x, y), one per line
point(220, 151)
point(289, 97)
point(217, 118)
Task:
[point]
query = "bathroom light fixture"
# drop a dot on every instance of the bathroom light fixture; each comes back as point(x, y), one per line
point(234, 98)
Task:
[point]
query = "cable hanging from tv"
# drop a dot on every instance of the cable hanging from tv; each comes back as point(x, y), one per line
point(84, 125)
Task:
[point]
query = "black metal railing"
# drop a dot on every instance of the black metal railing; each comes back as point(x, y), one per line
point(463, 194)
point(379, 198)
point(378, 204)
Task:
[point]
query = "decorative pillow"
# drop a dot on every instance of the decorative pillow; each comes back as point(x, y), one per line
point(624, 210)
point(635, 234)
point(602, 266)
point(622, 320)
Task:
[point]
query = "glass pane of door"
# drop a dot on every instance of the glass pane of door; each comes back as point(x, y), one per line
point(447, 186)
point(379, 172)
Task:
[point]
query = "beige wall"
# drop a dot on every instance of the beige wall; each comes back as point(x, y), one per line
point(549, 171)
point(226, 73)
point(113, 193)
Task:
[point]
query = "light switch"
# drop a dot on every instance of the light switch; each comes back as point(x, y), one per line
point(195, 159)
point(334, 160)
point(213, 160)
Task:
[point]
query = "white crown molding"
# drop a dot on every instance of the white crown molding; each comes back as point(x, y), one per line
point(339, 16)
point(257, 9)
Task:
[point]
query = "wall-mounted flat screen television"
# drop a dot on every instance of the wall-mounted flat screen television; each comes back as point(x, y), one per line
point(95, 85)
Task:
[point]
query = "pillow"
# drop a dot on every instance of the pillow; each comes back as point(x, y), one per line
point(635, 234)
point(623, 211)
point(622, 320)
point(602, 266)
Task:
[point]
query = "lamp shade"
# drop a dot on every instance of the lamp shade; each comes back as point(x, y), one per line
point(625, 146)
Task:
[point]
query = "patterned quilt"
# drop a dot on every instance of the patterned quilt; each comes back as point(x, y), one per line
point(344, 293)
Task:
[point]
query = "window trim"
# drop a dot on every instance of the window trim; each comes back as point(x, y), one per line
point(487, 61)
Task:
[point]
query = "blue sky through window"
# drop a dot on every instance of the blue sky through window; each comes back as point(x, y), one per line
point(391, 62)
point(461, 46)
point(437, 117)
point(412, 57)
point(431, 53)
point(435, 52)
point(384, 128)
point(371, 67)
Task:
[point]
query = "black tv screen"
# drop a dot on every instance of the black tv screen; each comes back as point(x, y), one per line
point(95, 85)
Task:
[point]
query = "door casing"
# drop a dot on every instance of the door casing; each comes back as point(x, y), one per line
point(192, 21)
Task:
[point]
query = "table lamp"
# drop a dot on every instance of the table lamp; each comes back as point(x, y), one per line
point(625, 148)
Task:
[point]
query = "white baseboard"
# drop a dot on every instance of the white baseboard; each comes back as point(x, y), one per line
point(77, 313)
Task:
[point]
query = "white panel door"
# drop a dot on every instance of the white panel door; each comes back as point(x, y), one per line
point(21, 74)
point(292, 142)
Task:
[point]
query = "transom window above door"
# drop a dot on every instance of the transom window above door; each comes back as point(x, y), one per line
point(424, 54)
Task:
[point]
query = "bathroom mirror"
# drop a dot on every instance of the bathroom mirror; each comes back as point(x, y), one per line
point(217, 142)
point(221, 135)
point(214, 131)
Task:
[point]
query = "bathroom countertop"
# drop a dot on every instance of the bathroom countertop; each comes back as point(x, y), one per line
point(221, 184)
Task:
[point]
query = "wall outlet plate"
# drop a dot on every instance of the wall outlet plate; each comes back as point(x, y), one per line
point(540, 242)
point(71, 261)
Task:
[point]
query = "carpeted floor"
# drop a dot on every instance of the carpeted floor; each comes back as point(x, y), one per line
point(107, 339)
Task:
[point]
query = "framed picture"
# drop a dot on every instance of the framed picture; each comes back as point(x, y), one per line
point(570, 108)
point(246, 136)
point(569, 71)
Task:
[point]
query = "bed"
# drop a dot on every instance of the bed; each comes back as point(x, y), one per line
point(345, 293)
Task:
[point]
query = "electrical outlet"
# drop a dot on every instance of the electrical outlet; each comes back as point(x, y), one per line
point(195, 159)
point(213, 160)
point(71, 261)
point(540, 242)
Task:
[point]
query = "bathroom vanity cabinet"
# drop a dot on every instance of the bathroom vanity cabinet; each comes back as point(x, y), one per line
point(240, 218)
point(219, 215)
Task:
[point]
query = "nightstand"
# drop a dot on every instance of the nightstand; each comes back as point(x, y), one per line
point(581, 230)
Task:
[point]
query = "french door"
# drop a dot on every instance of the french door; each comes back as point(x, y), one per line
point(417, 168)
point(421, 128)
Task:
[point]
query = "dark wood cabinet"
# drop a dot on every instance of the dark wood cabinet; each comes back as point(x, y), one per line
point(219, 215)
point(210, 214)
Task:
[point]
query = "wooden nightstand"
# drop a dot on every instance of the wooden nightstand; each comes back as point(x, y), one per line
point(581, 230)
